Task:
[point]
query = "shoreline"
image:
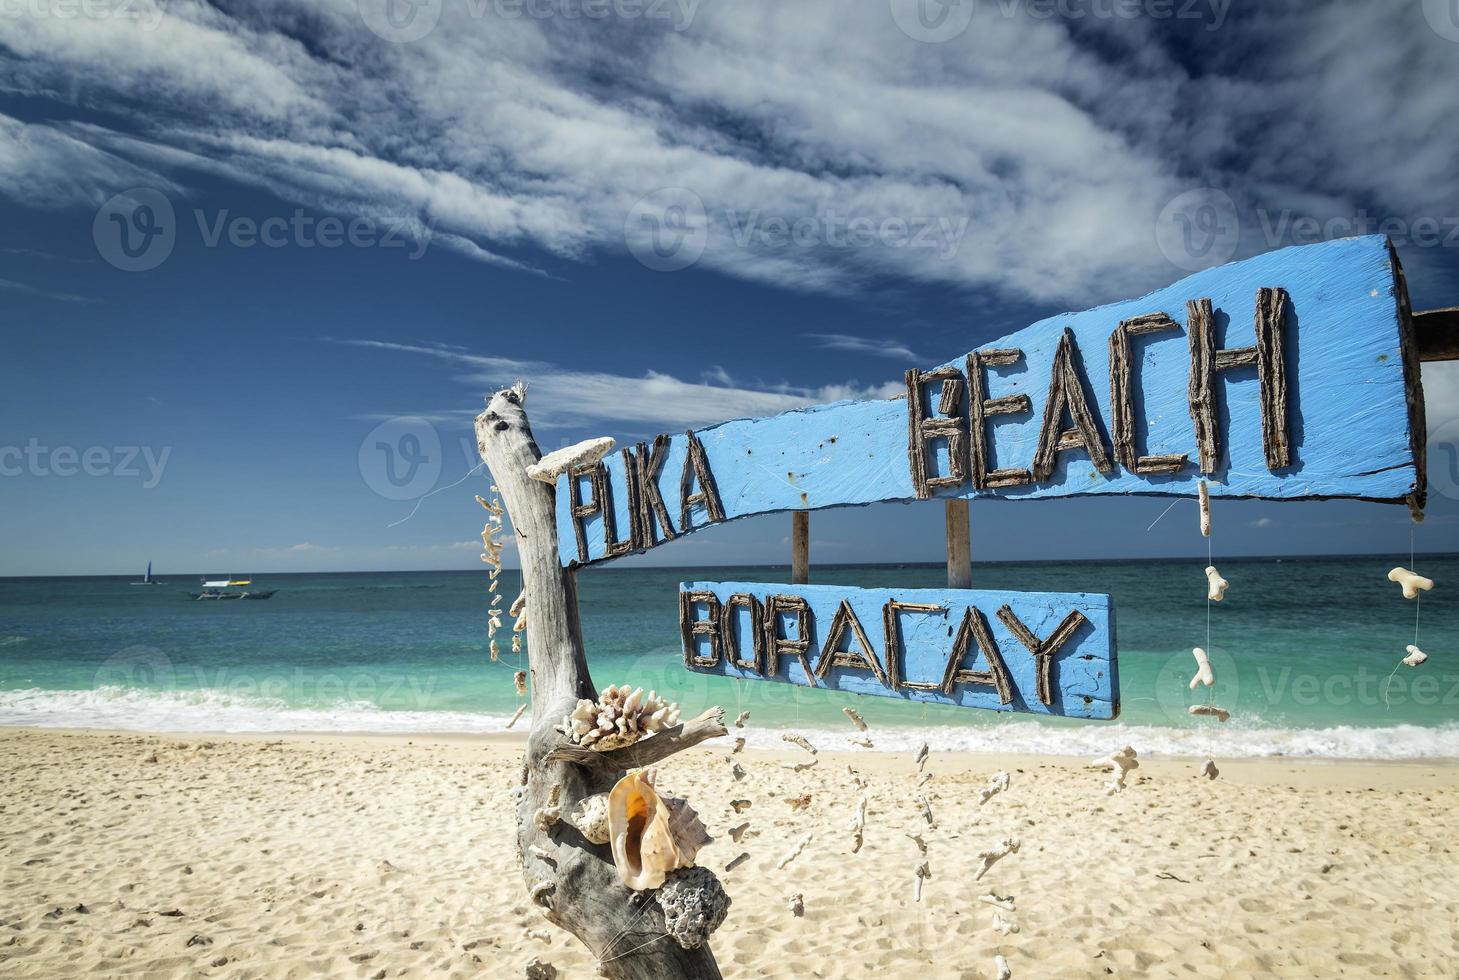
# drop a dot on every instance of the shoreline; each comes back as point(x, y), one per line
point(518, 740)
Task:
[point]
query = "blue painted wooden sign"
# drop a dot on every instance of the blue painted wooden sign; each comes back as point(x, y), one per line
point(1038, 652)
point(1287, 376)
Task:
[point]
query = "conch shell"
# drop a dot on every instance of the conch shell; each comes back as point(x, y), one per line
point(650, 834)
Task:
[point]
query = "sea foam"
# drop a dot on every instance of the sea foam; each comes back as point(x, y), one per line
point(130, 709)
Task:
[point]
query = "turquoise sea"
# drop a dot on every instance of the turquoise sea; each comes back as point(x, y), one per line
point(1304, 649)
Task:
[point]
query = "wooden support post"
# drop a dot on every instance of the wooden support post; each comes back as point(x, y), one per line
point(800, 547)
point(959, 545)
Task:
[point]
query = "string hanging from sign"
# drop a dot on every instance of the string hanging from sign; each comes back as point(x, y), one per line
point(1415, 656)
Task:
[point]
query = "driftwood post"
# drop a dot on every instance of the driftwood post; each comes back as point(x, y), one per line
point(573, 881)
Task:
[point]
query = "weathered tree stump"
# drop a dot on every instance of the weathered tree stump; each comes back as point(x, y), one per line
point(575, 884)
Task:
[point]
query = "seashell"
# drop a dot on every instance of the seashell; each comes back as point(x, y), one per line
point(590, 817)
point(650, 834)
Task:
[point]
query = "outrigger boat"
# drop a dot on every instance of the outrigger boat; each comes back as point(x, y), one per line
point(220, 589)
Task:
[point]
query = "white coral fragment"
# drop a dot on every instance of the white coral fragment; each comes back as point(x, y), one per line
point(1415, 656)
point(590, 817)
point(744, 716)
point(1210, 711)
point(796, 905)
point(923, 873)
point(619, 717)
point(855, 717)
point(1209, 770)
point(997, 783)
point(1216, 586)
point(857, 826)
point(1411, 582)
point(799, 741)
point(1000, 968)
point(1204, 674)
point(990, 857)
point(1119, 763)
point(579, 455)
point(794, 852)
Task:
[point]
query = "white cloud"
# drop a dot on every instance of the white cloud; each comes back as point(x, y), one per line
point(1035, 161)
point(864, 345)
point(656, 400)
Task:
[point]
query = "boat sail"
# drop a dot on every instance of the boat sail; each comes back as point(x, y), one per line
point(147, 578)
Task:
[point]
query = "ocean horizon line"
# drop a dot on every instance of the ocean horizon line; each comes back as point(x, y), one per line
point(630, 566)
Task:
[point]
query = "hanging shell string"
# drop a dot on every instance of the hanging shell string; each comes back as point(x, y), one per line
point(1417, 605)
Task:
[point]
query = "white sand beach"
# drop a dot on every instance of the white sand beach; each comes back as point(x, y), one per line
point(164, 856)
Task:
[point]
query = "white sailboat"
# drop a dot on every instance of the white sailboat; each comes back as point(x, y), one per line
point(147, 578)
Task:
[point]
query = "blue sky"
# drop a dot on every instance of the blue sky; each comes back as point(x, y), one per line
point(445, 213)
